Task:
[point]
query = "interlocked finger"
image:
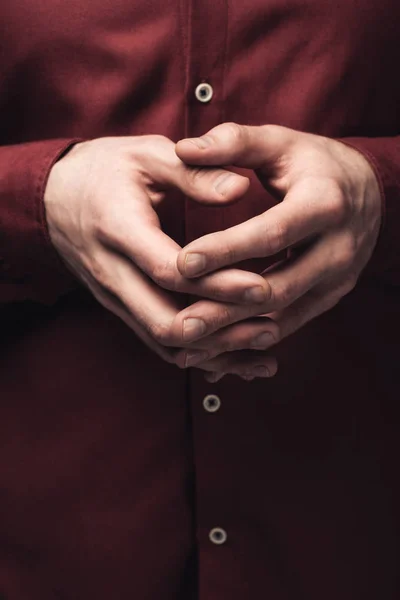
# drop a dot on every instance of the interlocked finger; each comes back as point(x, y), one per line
point(112, 303)
point(312, 305)
point(256, 334)
point(305, 211)
point(244, 363)
point(287, 283)
point(155, 253)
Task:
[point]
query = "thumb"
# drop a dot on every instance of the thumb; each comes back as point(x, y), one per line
point(210, 186)
point(240, 145)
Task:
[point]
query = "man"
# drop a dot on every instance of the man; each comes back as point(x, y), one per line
point(266, 466)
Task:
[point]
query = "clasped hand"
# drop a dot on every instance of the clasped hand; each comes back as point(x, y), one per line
point(101, 205)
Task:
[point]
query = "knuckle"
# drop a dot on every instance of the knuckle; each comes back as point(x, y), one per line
point(161, 333)
point(336, 203)
point(220, 250)
point(164, 275)
point(349, 284)
point(160, 139)
point(275, 236)
point(101, 275)
point(281, 298)
point(221, 318)
point(232, 131)
point(107, 221)
point(228, 254)
point(102, 225)
point(346, 253)
point(156, 140)
point(269, 294)
point(225, 316)
point(147, 147)
point(195, 175)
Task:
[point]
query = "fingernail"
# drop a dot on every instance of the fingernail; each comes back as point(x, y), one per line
point(224, 182)
point(194, 263)
point(263, 341)
point(193, 329)
point(194, 357)
point(260, 371)
point(256, 294)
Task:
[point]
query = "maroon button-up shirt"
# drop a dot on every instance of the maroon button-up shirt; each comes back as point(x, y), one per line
point(112, 471)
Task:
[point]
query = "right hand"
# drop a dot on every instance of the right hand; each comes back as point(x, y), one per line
point(101, 205)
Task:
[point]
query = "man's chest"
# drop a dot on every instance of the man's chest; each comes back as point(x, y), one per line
point(47, 25)
point(267, 60)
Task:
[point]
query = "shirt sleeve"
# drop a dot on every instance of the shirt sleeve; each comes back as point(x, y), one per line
point(384, 156)
point(30, 268)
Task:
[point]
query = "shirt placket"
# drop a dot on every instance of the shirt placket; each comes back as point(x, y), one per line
point(207, 41)
point(207, 46)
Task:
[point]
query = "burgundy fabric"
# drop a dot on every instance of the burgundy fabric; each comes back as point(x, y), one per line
point(29, 267)
point(112, 473)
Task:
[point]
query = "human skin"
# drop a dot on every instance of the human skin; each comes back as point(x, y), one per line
point(329, 217)
point(330, 198)
point(101, 204)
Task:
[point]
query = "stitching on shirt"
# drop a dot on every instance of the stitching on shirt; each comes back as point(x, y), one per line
point(225, 61)
point(184, 19)
point(40, 217)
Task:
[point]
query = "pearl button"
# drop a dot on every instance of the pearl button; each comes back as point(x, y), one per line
point(218, 536)
point(204, 92)
point(212, 403)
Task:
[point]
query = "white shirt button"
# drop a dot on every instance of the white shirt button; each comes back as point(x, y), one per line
point(218, 536)
point(211, 403)
point(204, 92)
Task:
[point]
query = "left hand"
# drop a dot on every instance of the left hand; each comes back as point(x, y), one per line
point(331, 202)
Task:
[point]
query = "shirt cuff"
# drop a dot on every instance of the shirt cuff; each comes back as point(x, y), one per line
point(30, 267)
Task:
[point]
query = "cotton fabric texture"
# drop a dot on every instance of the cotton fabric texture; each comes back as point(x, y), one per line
point(112, 473)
